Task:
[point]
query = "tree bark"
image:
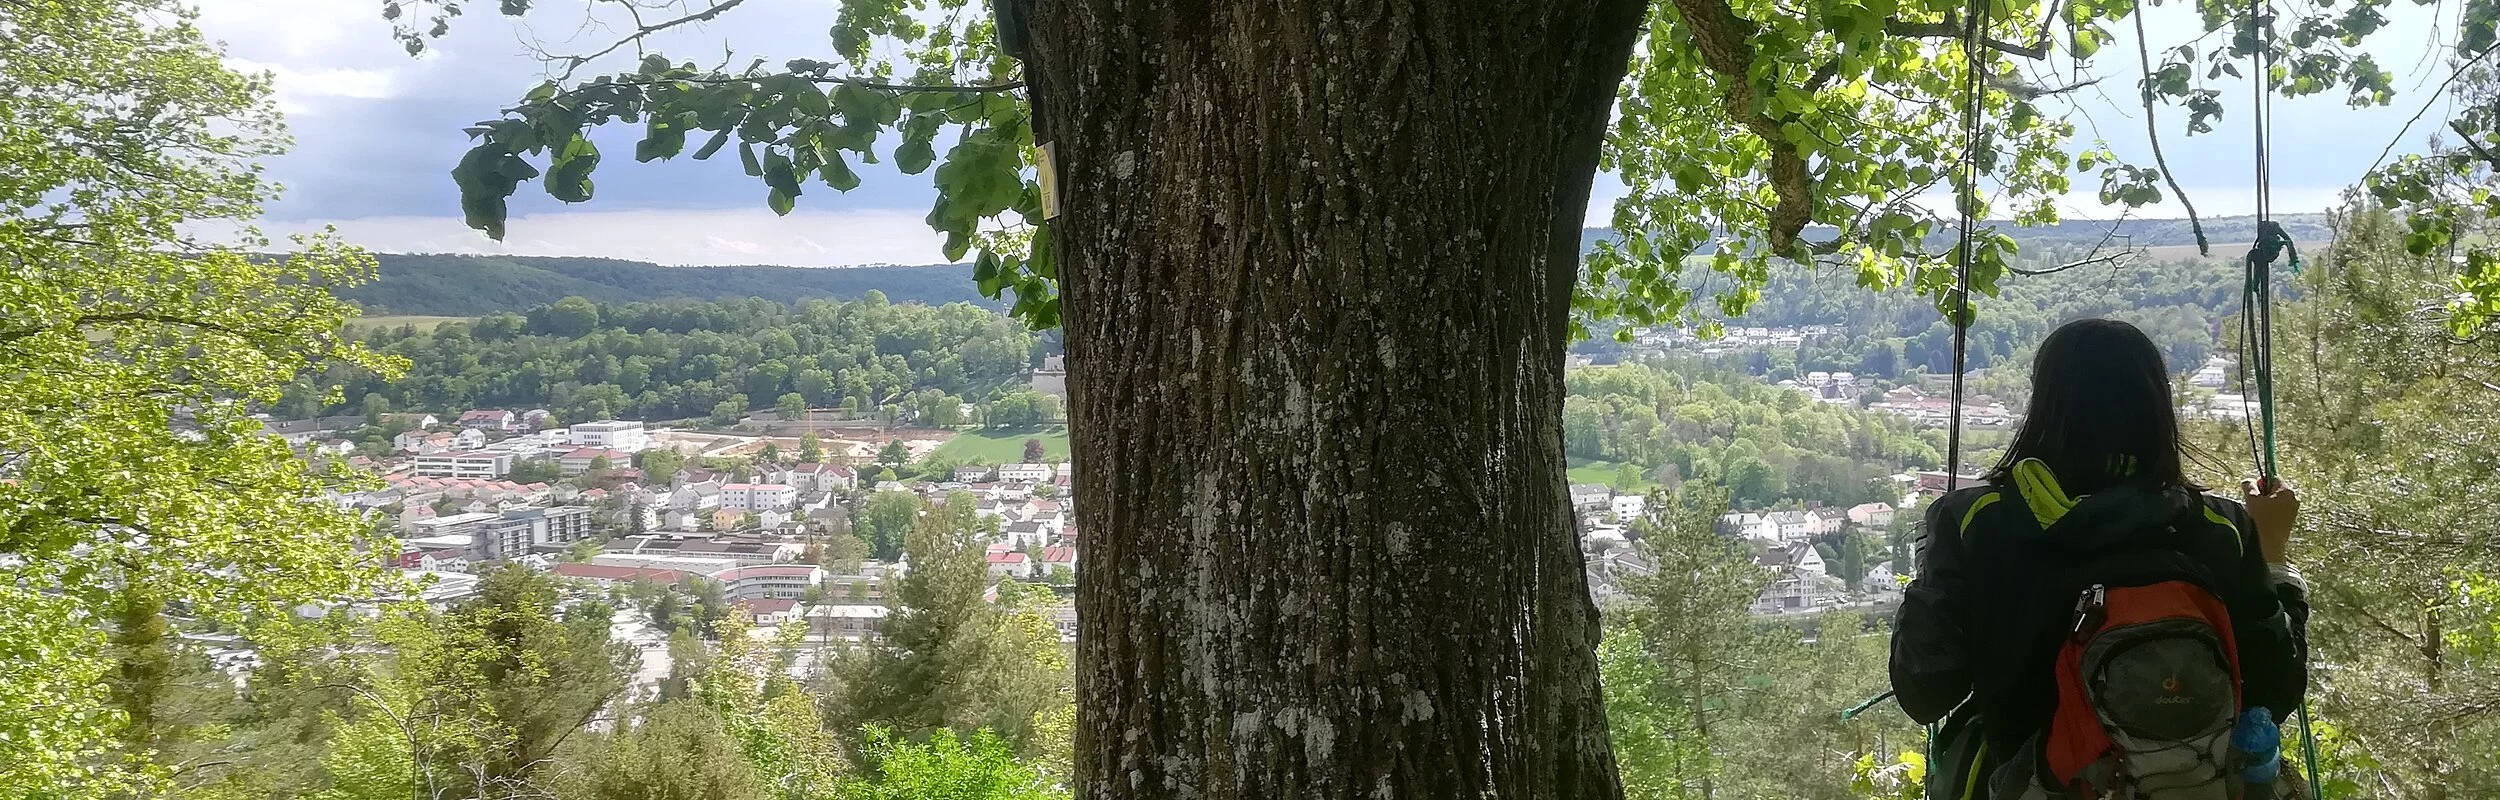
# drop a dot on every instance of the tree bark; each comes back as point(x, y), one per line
point(1316, 261)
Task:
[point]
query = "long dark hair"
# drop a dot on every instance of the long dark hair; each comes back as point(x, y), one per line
point(2101, 411)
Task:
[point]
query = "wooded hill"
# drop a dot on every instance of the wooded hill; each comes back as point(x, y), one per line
point(468, 286)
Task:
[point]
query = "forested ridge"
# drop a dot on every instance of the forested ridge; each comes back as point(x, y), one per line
point(468, 286)
point(472, 285)
point(678, 359)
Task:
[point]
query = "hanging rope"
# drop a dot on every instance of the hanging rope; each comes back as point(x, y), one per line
point(1975, 58)
point(2257, 309)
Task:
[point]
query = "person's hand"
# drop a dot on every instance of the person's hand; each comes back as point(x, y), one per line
point(2276, 509)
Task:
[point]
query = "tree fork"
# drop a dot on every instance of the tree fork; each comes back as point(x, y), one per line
point(1317, 261)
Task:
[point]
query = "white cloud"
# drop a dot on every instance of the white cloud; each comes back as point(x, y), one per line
point(298, 90)
point(721, 237)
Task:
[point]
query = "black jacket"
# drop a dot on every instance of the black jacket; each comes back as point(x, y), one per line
point(1985, 617)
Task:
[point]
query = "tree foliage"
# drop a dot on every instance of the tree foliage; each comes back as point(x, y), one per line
point(679, 360)
point(1751, 132)
point(950, 660)
point(1765, 444)
point(947, 767)
point(131, 354)
point(2385, 417)
point(1704, 700)
point(2446, 197)
point(1747, 132)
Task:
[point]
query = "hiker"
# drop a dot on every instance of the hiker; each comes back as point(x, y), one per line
point(2112, 625)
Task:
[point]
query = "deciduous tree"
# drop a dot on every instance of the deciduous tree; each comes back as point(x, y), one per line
point(131, 352)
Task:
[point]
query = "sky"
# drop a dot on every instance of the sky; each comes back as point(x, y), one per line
point(376, 133)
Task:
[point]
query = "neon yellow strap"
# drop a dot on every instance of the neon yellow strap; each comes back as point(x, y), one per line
point(2049, 502)
point(1970, 783)
point(2223, 521)
point(1983, 502)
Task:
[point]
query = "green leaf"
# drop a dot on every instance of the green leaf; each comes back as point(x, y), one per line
point(835, 172)
point(713, 145)
point(956, 244)
point(746, 159)
point(913, 156)
point(985, 269)
point(1040, 262)
point(568, 179)
point(661, 139)
point(780, 174)
point(808, 97)
point(780, 202)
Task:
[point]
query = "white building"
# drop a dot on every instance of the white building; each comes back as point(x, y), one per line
point(1057, 557)
point(1750, 526)
point(848, 621)
point(1797, 580)
point(694, 564)
point(820, 477)
point(1591, 497)
point(460, 525)
point(1024, 473)
point(471, 464)
point(1010, 565)
point(696, 496)
point(490, 419)
point(1628, 507)
point(769, 580)
point(758, 496)
point(515, 533)
point(2214, 374)
point(609, 433)
point(1871, 515)
point(580, 460)
point(1793, 525)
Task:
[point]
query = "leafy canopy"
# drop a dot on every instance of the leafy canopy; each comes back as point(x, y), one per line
point(1749, 130)
point(131, 355)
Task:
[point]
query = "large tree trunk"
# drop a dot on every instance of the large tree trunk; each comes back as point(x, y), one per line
point(1317, 259)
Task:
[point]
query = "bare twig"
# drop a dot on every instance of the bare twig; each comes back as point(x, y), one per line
point(2085, 262)
point(2426, 107)
point(2152, 132)
point(11, 335)
point(640, 31)
point(2025, 91)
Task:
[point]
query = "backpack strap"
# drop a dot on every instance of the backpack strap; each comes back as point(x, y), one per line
point(2239, 542)
point(1971, 514)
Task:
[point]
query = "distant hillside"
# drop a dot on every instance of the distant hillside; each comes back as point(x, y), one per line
point(452, 285)
point(468, 286)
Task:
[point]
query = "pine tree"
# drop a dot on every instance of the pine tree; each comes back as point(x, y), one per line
point(921, 676)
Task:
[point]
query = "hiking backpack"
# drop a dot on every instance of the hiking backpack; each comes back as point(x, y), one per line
point(2148, 688)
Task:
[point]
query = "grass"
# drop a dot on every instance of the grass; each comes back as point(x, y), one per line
point(1003, 446)
point(422, 322)
point(1585, 470)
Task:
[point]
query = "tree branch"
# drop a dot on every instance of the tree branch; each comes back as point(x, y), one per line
point(12, 335)
point(1008, 86)
point(2025, 91)
point(1952, 28)
point(640, 31)
point(2086, 262)
point(1725, 41)
point(2144, 56)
